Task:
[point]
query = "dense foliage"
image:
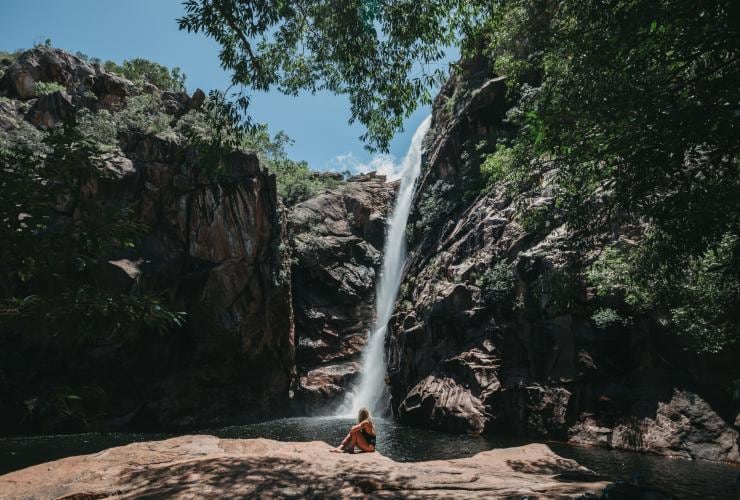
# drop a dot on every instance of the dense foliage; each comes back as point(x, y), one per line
point(296, 182)
point(142, 70)
point(632, 106)
point(49, 262)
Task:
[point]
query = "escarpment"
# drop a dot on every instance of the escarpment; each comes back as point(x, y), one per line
point(493, 330)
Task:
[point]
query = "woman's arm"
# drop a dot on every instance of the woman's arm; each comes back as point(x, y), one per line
point(365, 424)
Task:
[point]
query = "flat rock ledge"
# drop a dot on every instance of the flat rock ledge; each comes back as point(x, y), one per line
point(206, 466)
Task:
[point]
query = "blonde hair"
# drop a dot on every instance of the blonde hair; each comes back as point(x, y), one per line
point(363, 415)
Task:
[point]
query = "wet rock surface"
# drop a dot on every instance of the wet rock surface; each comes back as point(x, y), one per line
point(491, 335)
point(337, 244)
point(205, 466)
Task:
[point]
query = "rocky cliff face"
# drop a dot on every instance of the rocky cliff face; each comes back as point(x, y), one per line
point(337, 240)
point(223, 250)
point(218, 251)
point(492, 334)
point(215, 249)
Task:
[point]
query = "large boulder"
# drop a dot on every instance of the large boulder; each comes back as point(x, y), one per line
point(111, 90)
point(684, 426)
point(49, 65)
point(442, 403)
point(205, 466)
point(50, 110)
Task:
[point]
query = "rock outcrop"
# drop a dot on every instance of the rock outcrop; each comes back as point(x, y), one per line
point(205, 466)
point(337, 239)
point(491, 334)
point(48, 65)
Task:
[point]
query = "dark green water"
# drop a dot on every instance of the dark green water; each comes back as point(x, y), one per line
point(682, 478)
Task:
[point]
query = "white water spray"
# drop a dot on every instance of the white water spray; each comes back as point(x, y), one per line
point(371, 391)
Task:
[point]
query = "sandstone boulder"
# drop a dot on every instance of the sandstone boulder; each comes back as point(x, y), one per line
point(46, 64)
point(205, 466)
point(50, 110)
point(685, 426)
point(443, 404)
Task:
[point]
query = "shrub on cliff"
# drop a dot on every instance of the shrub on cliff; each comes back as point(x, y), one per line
point(216, 135)
point(142, 113)
point(497, 284)
point(141, 71)
point(434, 206)
point(296, 182)
point(48, 261)
point(43, 88)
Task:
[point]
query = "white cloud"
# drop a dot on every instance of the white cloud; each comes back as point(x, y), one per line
point(383, 164)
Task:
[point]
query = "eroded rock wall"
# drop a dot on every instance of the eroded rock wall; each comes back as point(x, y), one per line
point(490, 335)
point(215, 248)
point(337, 239)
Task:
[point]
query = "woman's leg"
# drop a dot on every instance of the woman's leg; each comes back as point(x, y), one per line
point(350, 448)
point(344, 443)
point(362, 442)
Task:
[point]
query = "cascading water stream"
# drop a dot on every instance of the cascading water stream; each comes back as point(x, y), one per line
point(371, 391)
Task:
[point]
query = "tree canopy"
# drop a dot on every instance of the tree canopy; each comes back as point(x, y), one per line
point(382, 54)
point(633, 105)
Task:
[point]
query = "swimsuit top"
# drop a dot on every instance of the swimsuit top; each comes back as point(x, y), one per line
point(369, 437)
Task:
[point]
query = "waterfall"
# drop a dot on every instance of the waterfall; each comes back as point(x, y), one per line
point(371, 390)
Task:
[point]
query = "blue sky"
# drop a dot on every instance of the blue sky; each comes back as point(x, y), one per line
point(118, 30)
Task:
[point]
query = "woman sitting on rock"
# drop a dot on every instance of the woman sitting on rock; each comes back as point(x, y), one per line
point(361, 435)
